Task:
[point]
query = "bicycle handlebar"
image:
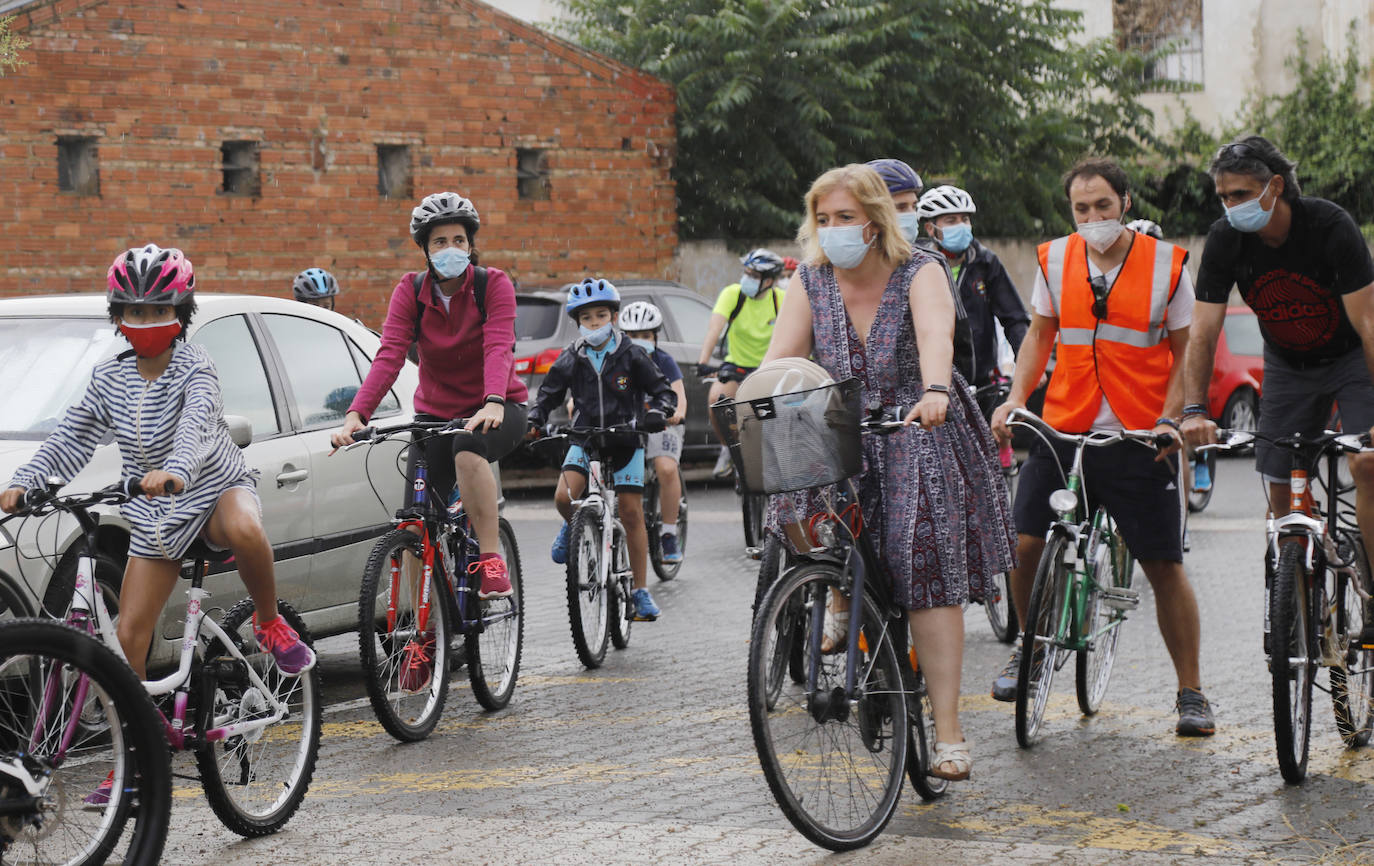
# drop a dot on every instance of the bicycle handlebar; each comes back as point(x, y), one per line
point(380, 434)
point(1026, 418)
point(1327, 440)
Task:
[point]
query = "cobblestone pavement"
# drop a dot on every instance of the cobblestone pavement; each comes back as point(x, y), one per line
point(649, 759)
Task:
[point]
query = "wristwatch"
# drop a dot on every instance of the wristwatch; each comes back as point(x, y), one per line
point(939, 389)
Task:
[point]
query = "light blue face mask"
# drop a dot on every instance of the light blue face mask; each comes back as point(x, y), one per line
point(1250, 216)
point(750, 285)
point(957, 237)
point(596, 337)
point(910, 223)
point(844, 245)
point(646, 345)
point(450, 262)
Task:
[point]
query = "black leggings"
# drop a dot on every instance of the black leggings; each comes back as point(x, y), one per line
point(440, 451)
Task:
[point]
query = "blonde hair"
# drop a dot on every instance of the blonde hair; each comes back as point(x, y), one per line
point(868, 187)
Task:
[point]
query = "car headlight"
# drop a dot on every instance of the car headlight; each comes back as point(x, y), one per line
point(1063, 502)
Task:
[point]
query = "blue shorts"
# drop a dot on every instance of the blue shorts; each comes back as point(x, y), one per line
point(627, 467)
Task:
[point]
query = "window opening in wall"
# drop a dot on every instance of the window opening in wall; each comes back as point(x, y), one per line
point(393, 171)
point(532, 173)
point(78, 170)
point(1169, 32)
point(242, 175)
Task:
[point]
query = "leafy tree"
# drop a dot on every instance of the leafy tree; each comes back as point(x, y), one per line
point(10, 46)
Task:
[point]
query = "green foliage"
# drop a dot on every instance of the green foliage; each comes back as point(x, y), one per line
point(10, 46)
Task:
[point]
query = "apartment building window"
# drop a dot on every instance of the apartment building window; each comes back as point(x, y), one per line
point(1170, 31)
point(241, 169)
point(78, 169)
point(532, 173)
point(393, 171)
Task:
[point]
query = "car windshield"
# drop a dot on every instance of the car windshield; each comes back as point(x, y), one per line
point(47, 363)
point(536, 318)
point(1243, 335)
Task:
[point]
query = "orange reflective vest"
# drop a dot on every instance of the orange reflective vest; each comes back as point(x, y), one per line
point(1125, 357)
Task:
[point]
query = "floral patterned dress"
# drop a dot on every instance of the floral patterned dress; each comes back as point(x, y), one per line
point(935, 499)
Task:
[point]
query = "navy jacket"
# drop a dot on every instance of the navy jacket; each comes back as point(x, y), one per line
point(628, 379)
point(986, 291)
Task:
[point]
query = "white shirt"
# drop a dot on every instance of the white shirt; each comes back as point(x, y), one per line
point(1178, 316)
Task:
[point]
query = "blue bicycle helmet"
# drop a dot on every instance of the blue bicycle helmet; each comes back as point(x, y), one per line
point(898, 176)
point(591, 291)
point(314, 283)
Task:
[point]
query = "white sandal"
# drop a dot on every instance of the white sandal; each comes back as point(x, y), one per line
point(834, 637)
point(951, 753)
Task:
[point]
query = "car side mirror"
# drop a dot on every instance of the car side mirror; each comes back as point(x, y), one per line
point(240, 430)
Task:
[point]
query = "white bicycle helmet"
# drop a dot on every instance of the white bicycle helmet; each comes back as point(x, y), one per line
point(783, 376)
point(441, 208)
point(942, 200)
point(1147, 227)
point(640, 316)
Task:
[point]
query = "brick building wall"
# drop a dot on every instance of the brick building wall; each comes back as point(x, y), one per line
point(156, 87)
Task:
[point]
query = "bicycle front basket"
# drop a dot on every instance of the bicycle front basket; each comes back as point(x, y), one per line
point(796, 440)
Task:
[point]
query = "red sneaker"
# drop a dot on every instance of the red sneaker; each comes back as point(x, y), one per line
point(417, 664)
point(495, 577)
point(288, 650)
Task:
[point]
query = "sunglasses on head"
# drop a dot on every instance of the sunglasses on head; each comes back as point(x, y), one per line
point(1238, 150)
point(1100, 292)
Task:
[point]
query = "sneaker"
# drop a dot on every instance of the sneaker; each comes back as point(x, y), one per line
point(560, 546)
point(1194, 715)
point(668, 545)
point(495, 577)
point(288, 650)
point(723, 466)
point(100, 797)
point(417, 664)
point(1004, 687)
point(645, 609)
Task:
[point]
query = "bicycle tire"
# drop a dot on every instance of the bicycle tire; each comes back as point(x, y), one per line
point(1199, 499)
point(132, 733)
point(1291, 665)
point(805, 738)
point(493, 651)
point(753, 507)
point(1001, 612)
point(408, 714)
point(921, 742)
point(666, 570)
point(1036, 674)
point(1352, 681)
point(265, 791)
point(786, 649)
point(620, 603)
point(109, 577)
point(588, 598)
point(1093, 667)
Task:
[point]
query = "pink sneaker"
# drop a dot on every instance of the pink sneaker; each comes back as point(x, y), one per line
point(495, 576)
point(288, 650)
point(100, 797)
point(417, 664)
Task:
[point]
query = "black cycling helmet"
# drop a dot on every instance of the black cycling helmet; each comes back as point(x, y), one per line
point(764, 262)
point(442, 208)
point(898, 176)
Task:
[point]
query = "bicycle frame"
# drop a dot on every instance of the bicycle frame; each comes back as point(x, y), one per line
point(595, 497)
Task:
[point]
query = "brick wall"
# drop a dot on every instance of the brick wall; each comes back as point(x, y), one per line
point(320, 83)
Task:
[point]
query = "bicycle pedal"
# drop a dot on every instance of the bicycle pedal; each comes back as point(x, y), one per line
point(754, 552)
point(1120, 598)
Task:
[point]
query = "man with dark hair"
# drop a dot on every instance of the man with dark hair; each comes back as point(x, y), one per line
point(1302, 265)
point(1119, 304)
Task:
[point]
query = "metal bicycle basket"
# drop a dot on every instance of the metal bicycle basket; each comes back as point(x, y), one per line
point(794, 440)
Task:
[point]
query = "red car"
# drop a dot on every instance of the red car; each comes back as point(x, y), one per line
point(1233, 396)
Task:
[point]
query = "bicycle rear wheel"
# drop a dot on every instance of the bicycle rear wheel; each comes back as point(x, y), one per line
point(1001, 613)
point(1101, 630)
point(836, 772)
point(405, 667)
point(666, 570)
point(786, 648)
point(754, 507)
point(1352, 682)
point(256, 781)
point(493, 649)
point(1291, 664)
point(1040, 649)
point(76, 716)
point(588, 595)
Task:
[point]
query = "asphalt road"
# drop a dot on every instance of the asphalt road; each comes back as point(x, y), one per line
point(649, 759)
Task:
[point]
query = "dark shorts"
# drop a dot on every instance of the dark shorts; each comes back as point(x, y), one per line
point(441, 450)
point(1299, 400)
point(1145, 498)
point(733, 372)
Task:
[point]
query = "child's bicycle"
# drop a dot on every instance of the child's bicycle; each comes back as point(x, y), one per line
point(653, 523)
point(255, 731)
point(418, 592)
point(837, 732)
point(72, 714)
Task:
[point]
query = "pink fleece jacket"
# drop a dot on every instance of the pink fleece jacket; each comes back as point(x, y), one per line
point(461, 360)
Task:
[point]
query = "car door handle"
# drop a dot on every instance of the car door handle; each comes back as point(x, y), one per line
point(295, 476)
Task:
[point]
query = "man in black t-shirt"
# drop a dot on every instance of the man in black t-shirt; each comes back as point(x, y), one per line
point(1301, 264)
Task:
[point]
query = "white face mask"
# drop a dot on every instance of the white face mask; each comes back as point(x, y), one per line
point(910, 224)
point(844, 245)
point(1101, 234)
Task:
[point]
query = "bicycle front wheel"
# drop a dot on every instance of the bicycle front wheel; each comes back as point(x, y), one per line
point(1352, 681)
point(1291, 664)
point(835, 768)
point(1101, 632)
point(256, 780)
point(667, 570)
point(405, 664)
point(493, 649)
point(1040, 645)
point(75, 717)
point(620, 604)
point(588, 594)
point(786, 644)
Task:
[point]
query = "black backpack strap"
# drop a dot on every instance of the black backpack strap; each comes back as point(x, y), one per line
point(739, 305)
point(417, 281)
point(479, 291)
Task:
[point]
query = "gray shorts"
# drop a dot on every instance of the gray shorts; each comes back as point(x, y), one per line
point(1299, 400)
point(665, 443)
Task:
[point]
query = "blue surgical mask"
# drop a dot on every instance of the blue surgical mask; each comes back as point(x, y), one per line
point(910, 224)
point(646, 345)
point(957, 237)
point(450, 262)
point(844, 245)
point(1250, 216)
point(749, 285)
point(596, 337)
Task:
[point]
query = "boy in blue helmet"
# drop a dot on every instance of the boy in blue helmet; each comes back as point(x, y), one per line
point(315, 286)
point(610, 380)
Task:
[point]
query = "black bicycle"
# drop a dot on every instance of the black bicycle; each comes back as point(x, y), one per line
point(653, 523)
point(1001, 612)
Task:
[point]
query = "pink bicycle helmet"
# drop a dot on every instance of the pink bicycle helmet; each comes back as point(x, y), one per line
point(151, 275)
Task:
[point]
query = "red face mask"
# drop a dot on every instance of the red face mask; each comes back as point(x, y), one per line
point(149, 341)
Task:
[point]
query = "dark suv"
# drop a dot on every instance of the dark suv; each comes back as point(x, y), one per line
point(543, 330)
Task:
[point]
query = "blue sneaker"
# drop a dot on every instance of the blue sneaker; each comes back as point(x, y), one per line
point(560, 546)
point(645, 609)
point(668, 545)
point(1202, 476)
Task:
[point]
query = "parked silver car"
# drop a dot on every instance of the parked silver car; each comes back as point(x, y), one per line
point(291, 370)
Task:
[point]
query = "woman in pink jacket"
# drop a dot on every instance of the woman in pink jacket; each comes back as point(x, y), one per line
point(463, 318)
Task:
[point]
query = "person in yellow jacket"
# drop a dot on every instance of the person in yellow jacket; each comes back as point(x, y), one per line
point(1119, 304)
